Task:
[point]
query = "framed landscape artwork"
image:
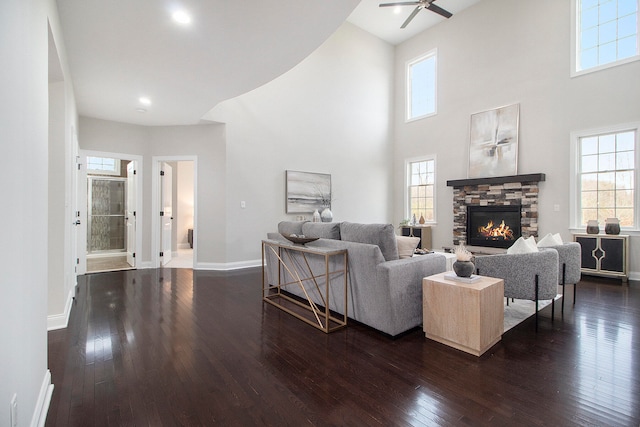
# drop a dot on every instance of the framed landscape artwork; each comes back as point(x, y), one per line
point(493, 142)
point(307, 191)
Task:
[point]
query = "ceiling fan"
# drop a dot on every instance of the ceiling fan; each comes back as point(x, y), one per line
point(420, 4)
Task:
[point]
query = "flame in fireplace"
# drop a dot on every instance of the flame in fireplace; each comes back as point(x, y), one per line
point(502, 231)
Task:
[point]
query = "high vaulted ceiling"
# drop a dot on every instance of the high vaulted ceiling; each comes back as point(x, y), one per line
point(121, 50)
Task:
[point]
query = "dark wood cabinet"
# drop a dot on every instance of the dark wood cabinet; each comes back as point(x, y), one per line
point(421, 231)
point(604, 254)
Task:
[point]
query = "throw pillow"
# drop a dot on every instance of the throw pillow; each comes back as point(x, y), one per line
point(523, 246)
point(550, 240)
point(406, 246)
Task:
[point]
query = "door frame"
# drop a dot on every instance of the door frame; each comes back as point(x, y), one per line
point(83, 207)
point(156, 165)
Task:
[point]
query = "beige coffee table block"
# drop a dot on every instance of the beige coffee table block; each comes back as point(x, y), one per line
point(466, 316)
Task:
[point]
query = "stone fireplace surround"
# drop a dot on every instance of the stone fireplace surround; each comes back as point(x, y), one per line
point(496, 191)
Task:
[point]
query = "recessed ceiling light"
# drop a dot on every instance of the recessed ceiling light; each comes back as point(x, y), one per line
point(181, 17)
point(144, 100)
point(141, 110)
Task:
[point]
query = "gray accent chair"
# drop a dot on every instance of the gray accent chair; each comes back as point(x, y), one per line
point(384, 292)
point(531, 276)
point(570, 263)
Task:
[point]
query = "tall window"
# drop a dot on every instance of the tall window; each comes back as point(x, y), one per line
point(421, 86)
point(421, 189)
point(607, 177)
point(606, 33)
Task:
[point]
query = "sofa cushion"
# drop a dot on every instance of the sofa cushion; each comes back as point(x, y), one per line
point(287, 228)
point(523, 246)
point(323, 230)
point(407, 246)
point(382, 235)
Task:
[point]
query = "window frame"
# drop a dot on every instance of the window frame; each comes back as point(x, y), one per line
point(575, 44)
point(433, 53)
point(575, 171)
point(117, 163)
point(407, 185)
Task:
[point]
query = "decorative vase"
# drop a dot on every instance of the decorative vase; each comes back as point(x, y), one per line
point(316, 216)
point(593, 227)
point(463, 268)
point(612, 226)
point(326, 215)
point(421, 219)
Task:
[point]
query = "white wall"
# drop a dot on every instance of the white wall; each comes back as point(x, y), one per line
point(23, 256)
point(330, 114)
point(500, 52)
point(63, 121)
point(204, 141)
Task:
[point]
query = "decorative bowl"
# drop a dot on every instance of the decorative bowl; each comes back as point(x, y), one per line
point(299, 239)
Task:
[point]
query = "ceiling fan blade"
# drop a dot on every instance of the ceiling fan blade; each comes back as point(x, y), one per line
point(413, 14)
point(440, 11)
point(400, 3)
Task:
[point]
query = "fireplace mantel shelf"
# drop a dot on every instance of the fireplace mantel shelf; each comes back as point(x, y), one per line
point(532, 177)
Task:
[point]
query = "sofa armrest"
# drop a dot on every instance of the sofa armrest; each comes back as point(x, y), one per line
point(569, 255)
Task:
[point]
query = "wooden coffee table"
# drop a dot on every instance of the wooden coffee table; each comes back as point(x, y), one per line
point(466, 316)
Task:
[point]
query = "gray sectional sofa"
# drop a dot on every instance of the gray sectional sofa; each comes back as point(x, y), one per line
point(384, 292)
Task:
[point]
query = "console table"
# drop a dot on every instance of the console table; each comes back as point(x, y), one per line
point(293, 259)
point(466, 316)
point(604, 254)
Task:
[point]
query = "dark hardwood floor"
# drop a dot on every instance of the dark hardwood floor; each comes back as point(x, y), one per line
point(171, 347)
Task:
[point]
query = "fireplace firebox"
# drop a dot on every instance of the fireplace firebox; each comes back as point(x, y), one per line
point(493, 226)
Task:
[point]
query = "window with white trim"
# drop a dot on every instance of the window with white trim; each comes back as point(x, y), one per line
point(421, 178)
point(607, 176)
point(103, 166)
point(606, 33)
point(421, 86)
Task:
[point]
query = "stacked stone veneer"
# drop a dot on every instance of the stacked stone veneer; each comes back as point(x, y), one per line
point(524, 194)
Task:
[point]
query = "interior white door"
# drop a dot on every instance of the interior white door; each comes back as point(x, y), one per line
point(166, 197)
point(130, 214)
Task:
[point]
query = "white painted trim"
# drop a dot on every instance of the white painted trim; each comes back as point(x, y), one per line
point(405, 188)
point(144, 265)
point(575, 41)
point(82, 254)
point(634, 275)
point(155, 203)
point(42, 404)
point(60, 321)
point(227, 266)
point(407, 87)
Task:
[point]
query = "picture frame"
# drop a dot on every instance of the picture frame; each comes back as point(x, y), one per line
point(307, 191)
point(493, 142)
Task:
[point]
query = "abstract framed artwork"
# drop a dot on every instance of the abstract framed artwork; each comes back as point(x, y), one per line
point(307, 191)
point(493, 142)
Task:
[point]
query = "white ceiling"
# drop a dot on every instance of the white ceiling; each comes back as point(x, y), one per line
point(120, 50)
point(385, 22)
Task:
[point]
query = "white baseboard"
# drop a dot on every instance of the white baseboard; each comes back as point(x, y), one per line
point(227, 266)
point(634, 275)
point(60, 321)
point(44, 399)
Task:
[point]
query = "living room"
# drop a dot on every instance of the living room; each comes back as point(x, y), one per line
point(340, 111)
